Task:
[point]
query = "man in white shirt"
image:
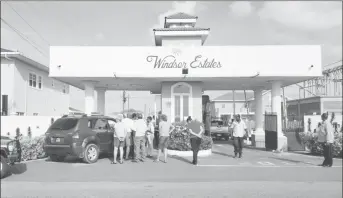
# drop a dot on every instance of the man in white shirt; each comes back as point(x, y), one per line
point(239, 130)
point(140, 128)
point(326, 137)
point(129, 138)
point(120, 131)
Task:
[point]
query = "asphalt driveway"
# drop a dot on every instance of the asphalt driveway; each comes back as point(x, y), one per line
point(257, 174)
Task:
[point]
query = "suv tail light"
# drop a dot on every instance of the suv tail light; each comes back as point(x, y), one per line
point(76, 135)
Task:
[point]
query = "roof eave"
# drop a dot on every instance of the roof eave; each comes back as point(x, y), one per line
point(24, 59)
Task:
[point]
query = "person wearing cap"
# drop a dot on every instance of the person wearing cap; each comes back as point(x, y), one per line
point(120, 131)
point(239, 130)
point(326, 137)
point(140, 128)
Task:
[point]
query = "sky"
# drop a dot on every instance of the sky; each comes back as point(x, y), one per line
point(90, 23)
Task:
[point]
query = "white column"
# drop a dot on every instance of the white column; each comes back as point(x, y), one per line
point(101, 100)
point(89, 97)
point(259, 135)
point(258, 111)
point(276, 108)
point(276, 103)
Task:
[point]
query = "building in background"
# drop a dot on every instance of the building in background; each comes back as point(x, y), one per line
point(236, 102)
point(27, 89)
point(319, 95)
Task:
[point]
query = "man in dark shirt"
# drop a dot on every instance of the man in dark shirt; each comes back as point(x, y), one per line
point(196, 129)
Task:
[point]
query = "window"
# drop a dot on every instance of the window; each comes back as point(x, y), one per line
point(100, 124)
point(39, 82)
point(111, 123)
point(64, 90)
point(35, 114)
point(64, 123)
point(223, 106)
point(35, 81)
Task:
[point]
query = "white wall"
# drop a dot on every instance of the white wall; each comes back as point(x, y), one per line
point(181, 41)
point(7, 82)
point(38, 124)
point(235, 61)
point(49, 101)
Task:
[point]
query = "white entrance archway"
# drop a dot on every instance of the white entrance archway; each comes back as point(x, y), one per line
point(182, 101)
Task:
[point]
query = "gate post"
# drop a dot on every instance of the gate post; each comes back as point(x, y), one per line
point(271, 133)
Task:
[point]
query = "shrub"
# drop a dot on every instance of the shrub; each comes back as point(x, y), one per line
point(310, 140)
point(180, 139)
point(32, 148)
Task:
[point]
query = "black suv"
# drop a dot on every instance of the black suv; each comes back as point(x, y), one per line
point(10, 153)
point(81, 136)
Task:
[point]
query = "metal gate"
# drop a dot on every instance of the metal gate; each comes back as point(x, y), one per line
point(270, 127)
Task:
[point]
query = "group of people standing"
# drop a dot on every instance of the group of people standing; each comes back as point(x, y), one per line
point(133, 133)
point(138, 134)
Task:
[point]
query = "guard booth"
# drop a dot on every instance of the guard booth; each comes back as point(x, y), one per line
point(271, 134)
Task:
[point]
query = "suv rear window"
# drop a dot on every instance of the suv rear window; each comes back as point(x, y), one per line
point(64, 123)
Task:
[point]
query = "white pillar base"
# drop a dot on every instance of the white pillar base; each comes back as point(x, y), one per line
point(259, 139)
point(282, 143)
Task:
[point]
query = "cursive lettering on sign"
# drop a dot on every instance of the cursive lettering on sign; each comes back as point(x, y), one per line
point(171, 61)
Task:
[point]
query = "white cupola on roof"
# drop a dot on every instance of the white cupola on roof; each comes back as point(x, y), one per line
point(180, 26)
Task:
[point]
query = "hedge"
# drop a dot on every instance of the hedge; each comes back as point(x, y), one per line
point(32, 148)
point(180, 139)
point(310, 140)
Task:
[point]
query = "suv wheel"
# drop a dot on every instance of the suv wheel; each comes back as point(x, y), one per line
point(56, 158)
point(4, 167)
point(91, 154)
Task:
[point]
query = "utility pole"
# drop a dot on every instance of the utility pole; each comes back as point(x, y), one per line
point(124, 100)
point(144, 110)
point(234, 103)
point(128, 102)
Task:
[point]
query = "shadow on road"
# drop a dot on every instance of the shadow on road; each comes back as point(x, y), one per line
point(18, 168)
point(230, 142)
point(292, 161)
point(222, 154)
point(181, 159)
point(72, 159)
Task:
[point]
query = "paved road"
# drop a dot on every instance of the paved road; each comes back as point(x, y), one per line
point(257, 174)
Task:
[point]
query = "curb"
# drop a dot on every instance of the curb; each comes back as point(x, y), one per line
point(202, 153)
point(28, 161)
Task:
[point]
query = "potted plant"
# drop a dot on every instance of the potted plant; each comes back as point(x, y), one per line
point(179, 142)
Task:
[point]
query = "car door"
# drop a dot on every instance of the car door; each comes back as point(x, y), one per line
point(102, 131)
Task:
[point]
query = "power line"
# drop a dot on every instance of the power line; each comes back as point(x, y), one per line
point(24, 37)
point(332, 63)
point(28, 24)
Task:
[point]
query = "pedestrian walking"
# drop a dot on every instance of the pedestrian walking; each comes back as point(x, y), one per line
point(326, 137)
point(239, 130)
point(196, 129)
point(120, 131)
point(129, 136)
point(165, 128)
point(150, 136)
point(140, 128)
